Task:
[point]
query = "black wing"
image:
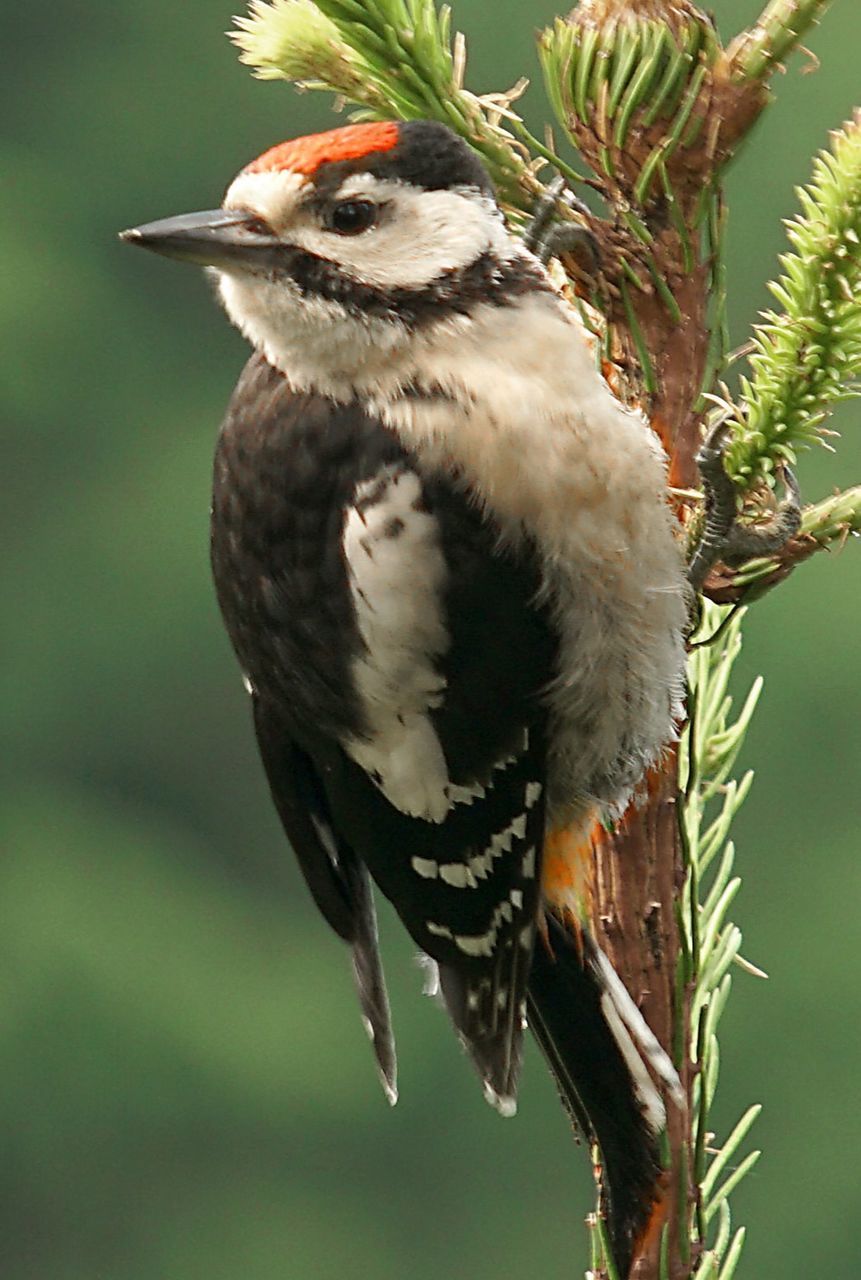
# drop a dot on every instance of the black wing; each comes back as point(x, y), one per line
point(338, 881)
point(317, 509)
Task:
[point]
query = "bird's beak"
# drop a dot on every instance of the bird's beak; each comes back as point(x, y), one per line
point(216, 238)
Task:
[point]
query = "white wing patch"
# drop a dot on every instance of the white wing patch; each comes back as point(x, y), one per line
point(397, 572)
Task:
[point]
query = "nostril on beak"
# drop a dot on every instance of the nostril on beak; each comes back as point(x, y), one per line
point(257, 226)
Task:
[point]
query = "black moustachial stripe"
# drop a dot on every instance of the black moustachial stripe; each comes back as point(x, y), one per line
point(487, 280)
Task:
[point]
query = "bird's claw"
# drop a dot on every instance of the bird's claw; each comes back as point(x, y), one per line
point(548, 238)
point(722, 537)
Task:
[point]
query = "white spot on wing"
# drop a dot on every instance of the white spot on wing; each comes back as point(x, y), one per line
point(533, 794)
point(458, 874)
point(481, 864)
point(481, 944)
point(466, 795)
point(425, 867)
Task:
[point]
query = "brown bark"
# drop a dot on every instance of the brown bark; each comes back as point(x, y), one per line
point(640, 872)
point(721, 587)
point(639, 878)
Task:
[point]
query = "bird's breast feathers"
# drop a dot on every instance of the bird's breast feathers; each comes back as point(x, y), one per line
point(517, 407)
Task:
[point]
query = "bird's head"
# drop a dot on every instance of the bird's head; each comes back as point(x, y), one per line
point(330, 246)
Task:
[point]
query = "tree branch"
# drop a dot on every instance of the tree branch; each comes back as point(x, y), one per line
point(756, 53)
point(827, 525)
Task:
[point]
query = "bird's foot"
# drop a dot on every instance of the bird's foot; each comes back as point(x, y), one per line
point(547, 237)
point(723, 538)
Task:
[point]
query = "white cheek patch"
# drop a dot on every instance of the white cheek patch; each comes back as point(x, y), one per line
point(396, 570)
point(313, 342)
point(420, 235)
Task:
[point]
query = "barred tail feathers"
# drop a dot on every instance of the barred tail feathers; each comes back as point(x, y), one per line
point(488, 1013)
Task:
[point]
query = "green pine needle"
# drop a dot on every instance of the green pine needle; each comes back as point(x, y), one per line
point(710, 802)
point(726, 1153)
point(391, 59)
point(731, 1183)
point(727, 1271)
point(807, 359)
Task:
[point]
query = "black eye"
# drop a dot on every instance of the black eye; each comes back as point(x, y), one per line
point(352, 216)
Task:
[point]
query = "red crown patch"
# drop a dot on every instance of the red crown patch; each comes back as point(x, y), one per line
point(306, 155)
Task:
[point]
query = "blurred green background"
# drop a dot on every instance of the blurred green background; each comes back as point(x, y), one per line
point(185, 1089)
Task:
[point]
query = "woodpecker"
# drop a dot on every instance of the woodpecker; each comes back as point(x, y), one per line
point(445, 560)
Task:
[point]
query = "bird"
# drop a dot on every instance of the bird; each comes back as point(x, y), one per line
point(444, 556)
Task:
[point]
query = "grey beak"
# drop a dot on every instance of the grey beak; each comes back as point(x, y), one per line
point(215, 238)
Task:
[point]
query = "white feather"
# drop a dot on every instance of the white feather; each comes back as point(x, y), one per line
point(397, 572)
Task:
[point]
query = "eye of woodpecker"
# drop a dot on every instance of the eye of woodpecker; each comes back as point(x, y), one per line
point(351, 217)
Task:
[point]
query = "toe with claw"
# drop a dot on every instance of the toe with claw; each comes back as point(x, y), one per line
point(547, 237)
point(723, 538)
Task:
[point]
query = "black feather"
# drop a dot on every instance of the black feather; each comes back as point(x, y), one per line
point(370, 980)
point(337, 880)
point(565, 1017)
point(488, 1013)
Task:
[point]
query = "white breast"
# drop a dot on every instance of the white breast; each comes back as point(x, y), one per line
point(531, 424)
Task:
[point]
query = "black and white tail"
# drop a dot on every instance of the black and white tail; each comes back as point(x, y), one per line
point(597, 1044)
